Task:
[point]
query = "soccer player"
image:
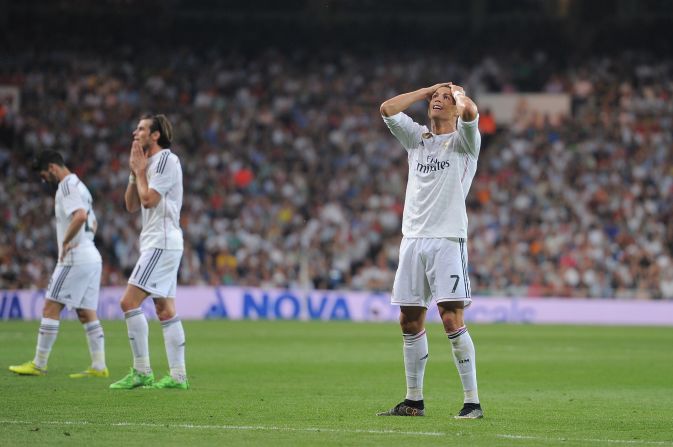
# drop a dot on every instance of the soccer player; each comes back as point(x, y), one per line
point(75, 282)
point(155, 188)
point(433, 251)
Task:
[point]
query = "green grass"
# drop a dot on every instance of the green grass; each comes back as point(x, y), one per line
point(309, 384)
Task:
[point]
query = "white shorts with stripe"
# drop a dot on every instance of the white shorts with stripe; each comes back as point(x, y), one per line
point(156, 272)
point(431, 268)
point(76, 286)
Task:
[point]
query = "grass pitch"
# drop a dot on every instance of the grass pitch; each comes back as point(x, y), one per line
point(308, 384)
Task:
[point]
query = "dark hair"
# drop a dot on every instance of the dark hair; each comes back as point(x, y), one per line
point(42, 161)
point(161, 124)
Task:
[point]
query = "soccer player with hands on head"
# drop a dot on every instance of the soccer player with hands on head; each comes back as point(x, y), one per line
point(433, 253)
point(155, 188)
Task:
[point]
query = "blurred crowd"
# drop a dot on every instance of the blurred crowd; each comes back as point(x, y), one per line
point(292, 179)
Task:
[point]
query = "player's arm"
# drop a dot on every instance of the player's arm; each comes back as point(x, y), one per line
point(467, 109)
point(468, 129)
point(144, 195)
point(149, 197)
point(131, 197)
point(78, 219)
point(400, 103)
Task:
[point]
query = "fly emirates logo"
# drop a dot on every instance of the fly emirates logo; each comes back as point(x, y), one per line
point(432, 165)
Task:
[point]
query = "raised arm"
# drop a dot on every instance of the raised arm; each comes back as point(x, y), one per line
point(399, 103)
point(467, 109)
point(138, 191)
point(149, 197)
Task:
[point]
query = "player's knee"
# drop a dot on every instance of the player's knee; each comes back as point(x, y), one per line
point(86, 316)
point(127, 304)
point(409, 326)
point(451, 322)
point(165, 314)
point(412, 319)
point(51, 313)
point(51, 310)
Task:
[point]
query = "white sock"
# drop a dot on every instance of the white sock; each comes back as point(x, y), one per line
point(174, 340)
point(96, 339)
point(415, 357)
point(46, 337)
point(138, 331)
point(465, 360)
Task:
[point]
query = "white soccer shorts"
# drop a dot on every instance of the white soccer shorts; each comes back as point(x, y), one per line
point(76, 286)
point(431, 268)
point(156, 272)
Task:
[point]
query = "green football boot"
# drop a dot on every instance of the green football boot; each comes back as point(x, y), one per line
point(168, 382)
point(133, 380)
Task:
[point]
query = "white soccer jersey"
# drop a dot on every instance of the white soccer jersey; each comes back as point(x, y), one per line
point(161, 224)
point(441, 169)
point(71, 196)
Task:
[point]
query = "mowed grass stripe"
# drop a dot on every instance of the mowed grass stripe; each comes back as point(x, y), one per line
point(328, 430)
point(228, 427)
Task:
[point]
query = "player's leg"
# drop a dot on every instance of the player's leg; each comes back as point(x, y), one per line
point(174, 341)
point(464, 356)
point(96, 341)
point(58, 290)
point(412, 323)
point(84, 298)
point(415, 350)
point(138, 333)
point(49, 326)
point(411, 293)
point(450, 282)
point(155, 274)
point(137, 327)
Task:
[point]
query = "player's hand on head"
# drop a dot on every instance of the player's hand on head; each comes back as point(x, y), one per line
point(456, 88)
point(431, 90)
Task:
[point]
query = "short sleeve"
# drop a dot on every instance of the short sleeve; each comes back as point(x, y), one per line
point(470, 138)
point(406, 130)
point(164, 175)
point(71, 199)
